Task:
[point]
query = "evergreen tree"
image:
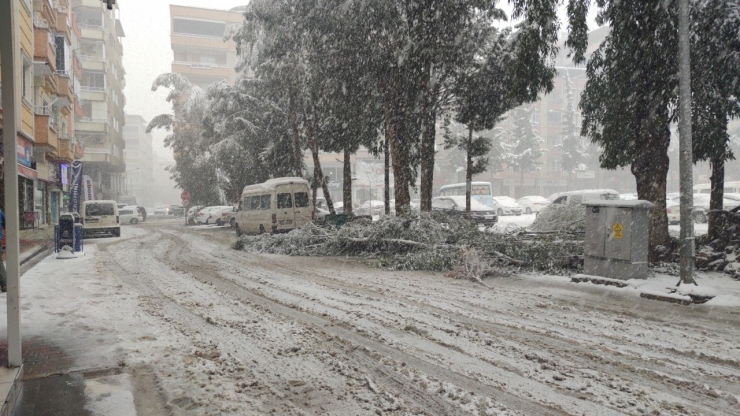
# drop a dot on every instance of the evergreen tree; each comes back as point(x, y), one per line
point(523, 144)
point(574, 154)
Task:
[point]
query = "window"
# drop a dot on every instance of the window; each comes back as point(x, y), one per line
point(560, 200)
point(481, 190)
point(86, 108)
point(445, 204)
point(198, 27)
point(576, 199)
point(99, 209)
point(27, 80)
point(89, 17)
point(266, 202)
point(94, 80)
point(254, 203)
point(301, 199)
point(730, 190)
point(284, 201)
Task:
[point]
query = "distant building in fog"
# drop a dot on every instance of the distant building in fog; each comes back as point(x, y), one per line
point(200, 53)
point(139, 158)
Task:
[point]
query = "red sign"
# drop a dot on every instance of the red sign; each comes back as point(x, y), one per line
point(185, 195)
point(185, 202)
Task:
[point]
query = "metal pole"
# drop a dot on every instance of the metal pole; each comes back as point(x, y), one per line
point(11, 81)
point(686, 157)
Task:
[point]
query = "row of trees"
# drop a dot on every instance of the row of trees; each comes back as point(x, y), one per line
point(337, 75)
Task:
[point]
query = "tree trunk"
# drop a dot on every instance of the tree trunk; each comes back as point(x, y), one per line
point(717, 195)
point(297, 153)
point(318, 173)
point(393, 113)
point(650, 169)
point(469, 172)
point(429, 118)
point(347, 180)
point(387, 177)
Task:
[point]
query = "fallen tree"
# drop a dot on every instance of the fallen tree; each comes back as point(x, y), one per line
point(426, 242)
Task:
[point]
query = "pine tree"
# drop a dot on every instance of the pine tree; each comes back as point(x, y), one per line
point(574, 154)
point(523, 143)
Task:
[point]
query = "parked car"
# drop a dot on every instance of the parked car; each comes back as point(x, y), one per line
point(371, 207)
point(533, 203)
point(455, 206)
point(277, 205)
point(577, 197)
point(161, 210)
point(176, 210)
point(209, 215)
point(506, 205)
point(627, 197)
point(228, 216)
point(100, 217)
point(130, 215)
point(701, 207)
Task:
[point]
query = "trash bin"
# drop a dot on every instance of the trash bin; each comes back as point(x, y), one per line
point(616, 244)
point(79, 245)
point(66, 231)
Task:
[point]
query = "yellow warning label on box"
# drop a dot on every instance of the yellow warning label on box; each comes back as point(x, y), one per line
point(617, 230)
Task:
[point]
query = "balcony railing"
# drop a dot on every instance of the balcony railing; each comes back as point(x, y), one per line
point(94, 89)
point(40, 23)
point(92, 58)
point(62, 72)
point(91, 26)
point(193, 35)
point(42, 110)
point(199, 65)
point(93, 120)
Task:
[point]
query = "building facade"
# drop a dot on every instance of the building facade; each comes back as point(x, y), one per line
point(46, 139)
point(139, 158)
point(101, 119)
point(200, 54)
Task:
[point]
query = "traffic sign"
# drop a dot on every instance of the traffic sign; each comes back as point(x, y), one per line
point(186, 202)
point(185, 195)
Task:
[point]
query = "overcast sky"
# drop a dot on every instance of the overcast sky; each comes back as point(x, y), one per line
point(147, 53)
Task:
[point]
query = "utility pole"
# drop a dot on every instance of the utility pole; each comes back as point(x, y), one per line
point(685, 150)
point(11, 82)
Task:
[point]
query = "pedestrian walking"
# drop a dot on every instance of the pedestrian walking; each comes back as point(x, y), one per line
point(142, 211)
point(3, 273)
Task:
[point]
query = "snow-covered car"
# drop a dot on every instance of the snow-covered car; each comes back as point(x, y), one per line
point(209, 215)
point(372, 207)
point(130, 215)
point(455, 206)
point(227, 216)
point(627, 197)
point(533, 203)
point(506, 205)
point(701, 207)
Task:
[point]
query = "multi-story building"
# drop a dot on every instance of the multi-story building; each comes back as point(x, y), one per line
point(139, 159)
point(200, 54)
point(100, 125)
point(45, 140)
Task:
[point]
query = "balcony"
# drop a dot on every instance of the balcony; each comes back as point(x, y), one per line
point(99, 125)
point(44, 49)
point(64, 88)
point(204, 69)
point(61, 24)
point(45, 135)
point(201, 42)
point(65, 153)
point(98, 155)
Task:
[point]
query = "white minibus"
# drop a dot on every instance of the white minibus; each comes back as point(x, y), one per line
point(278, 205)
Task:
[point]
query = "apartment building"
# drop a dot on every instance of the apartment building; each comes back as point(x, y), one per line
point(101, 118)
point(49, 89)
point(200, 54)
point(139, 158)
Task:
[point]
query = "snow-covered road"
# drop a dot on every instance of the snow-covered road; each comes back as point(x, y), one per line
point(206, 330)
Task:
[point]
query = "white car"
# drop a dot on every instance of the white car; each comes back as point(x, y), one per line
point(227, 216)
point(506, 205)
point(161, 210)
point(701, 207)
point(627, 197)
point(372, 207)
point(130, 215)
point(532, 203)
point(209, 215)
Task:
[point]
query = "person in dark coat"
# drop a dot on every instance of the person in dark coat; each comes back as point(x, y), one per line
point(142, 211)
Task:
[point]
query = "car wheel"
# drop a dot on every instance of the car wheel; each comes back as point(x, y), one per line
point(134, 221)
point(529, 211)
point(117, 233)
point(700, 218)
point(232, 222)
point(262, 229)
point(238, 230)
point(219, 223)
point(500, 212)
point(207, 221)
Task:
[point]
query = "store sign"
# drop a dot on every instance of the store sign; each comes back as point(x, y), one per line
point(87, 184)
point(64, 173)
point(23, 150)
point(75, 191)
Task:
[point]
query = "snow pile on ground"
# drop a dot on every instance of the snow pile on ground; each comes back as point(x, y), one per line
point(419, 242)
point(560, 218)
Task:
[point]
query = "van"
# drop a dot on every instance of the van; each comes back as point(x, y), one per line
point(100, 217)
point(706, 188)
point(577, 197)
point(278, 205)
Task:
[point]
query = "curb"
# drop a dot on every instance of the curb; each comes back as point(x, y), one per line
point(34, 254)
point(34, 258)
